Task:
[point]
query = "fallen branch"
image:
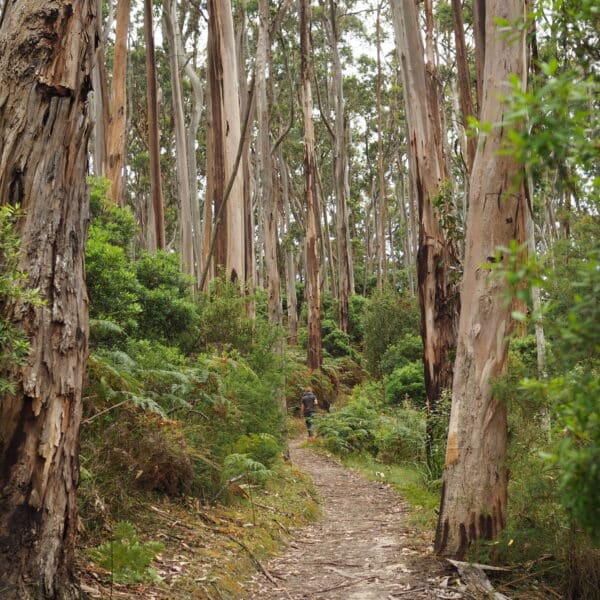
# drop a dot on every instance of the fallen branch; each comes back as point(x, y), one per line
point(346, 584)
point(253, 557)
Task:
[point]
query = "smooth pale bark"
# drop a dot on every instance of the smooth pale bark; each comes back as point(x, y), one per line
point(225, 136)
point(44, 132)
point(265, 168)
point(436, 255)
point(341, 175)
point(117, 123)
point(171, 29)
point(381, 208)
point(153, 131)
point(474, 489)
point(197, 100)
point(312, 285)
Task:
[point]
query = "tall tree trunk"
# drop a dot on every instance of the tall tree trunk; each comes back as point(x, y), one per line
point(380, 212)
point(117, 124)
point(225, 140)
point(153, 131)
point(474, 489)
point(464, 83)
point(312, 287)
point(100, 85)
point(340, 166)
point(479, 33)
point(247, 106)
point(436, 256)
point(44, 132)
point(290, 262)
point(265, 167)
point(172, 32)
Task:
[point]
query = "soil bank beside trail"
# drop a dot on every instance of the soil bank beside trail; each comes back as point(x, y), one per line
point(361, 549)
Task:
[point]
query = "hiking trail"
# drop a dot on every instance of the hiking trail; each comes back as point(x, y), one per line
point(360, 549)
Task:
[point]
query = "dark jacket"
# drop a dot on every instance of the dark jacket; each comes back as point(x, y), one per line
point(309, 403)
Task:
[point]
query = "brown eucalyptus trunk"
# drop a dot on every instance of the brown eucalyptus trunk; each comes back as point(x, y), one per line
point(436, 255)
point(153, 131)
point(312, 287)
point(464, 84)
point(225, 136)
point(117, 124)
point(474, 489)
point(44, 132)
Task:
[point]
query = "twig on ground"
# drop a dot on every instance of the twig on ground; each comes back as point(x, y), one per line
point(253, 557)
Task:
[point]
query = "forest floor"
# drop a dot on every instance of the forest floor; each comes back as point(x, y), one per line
point(362, 548)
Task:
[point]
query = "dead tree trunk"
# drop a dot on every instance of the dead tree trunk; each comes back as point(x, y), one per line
point(44, 132)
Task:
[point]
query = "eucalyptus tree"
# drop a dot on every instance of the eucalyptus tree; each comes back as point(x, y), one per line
point(158, 241)
point(223, 212)
point(437, 262)
point(313, 292)
point(474, 488)
point(44, 132)
point(117, 118)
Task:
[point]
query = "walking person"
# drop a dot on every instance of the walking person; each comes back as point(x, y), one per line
point(308, 406)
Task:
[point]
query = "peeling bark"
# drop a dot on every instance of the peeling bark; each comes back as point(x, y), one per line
point(313, 292)
point(474, 491)
point(46, 53)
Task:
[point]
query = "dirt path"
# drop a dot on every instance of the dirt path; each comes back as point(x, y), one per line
point(360, 550)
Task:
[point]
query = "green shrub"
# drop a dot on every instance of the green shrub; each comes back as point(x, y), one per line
point(349, 429)
point(406, 350)
point(356, 309)
point(400, 437)
point(406, 383)
point(335, 342)
point(223, 320)
point(126, 557)
point(387, 318)
point(112, 284)
point(261, 447)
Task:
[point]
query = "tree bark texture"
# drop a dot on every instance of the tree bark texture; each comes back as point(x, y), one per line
point(100, 86)
point(312, 285)
point(474, 489)
point(46, 53)
point(436, 255)
point(181, 147)
point(225, 139)
point(464, 84)
point(342, 192)
point(117, 123)
point(265, 170)
point(153, 131)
